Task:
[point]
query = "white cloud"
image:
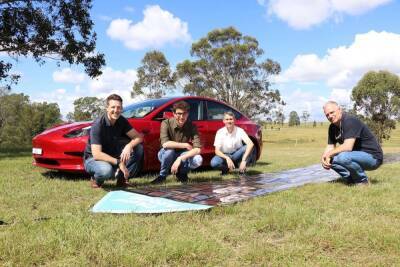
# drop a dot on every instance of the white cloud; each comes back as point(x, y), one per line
point(114, 81)
point(343, 66)
point(67, 75)
point(303, 14)
point(157, 28)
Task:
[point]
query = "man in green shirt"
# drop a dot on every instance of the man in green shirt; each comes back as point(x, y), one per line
point(180, 143)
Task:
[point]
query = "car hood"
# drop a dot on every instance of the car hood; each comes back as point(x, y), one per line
point(67, 127)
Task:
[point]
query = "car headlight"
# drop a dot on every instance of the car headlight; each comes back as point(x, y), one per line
point(78, 133)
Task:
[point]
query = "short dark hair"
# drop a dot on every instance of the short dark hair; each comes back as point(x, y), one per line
point(113, 97)
point(180, 105)
point(229, 113)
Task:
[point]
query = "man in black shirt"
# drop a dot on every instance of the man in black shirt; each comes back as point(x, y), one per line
point(114, 148)
point(352, 148)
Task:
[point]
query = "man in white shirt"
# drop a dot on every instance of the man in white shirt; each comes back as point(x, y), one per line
point(230, 152)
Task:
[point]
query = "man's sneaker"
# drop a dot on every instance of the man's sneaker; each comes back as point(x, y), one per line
point(183, 178)
point(121, 181)
point(94, 184)
point(362, 184)
point(224, 171)
point(160, 179)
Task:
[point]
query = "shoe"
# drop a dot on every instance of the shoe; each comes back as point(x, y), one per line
point(242, 173)
point(224, 171)
point(121, 180)
point(94, 184)
point(183, 178)
point(160, 179)
point(362, 184)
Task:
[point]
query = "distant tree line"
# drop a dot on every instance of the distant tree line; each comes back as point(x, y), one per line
point(21, 120)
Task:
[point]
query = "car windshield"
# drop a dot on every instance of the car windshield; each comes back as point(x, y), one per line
point(141, 109)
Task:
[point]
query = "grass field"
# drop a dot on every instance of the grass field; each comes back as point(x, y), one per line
point(45, 220)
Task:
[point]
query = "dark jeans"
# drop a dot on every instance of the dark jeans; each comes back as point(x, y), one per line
point(102, 170)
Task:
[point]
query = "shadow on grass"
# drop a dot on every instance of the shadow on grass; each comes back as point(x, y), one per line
point(66, 175)
point(347, 183)
point(6, 153)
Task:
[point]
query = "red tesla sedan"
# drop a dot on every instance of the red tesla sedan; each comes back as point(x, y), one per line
point(61, 147)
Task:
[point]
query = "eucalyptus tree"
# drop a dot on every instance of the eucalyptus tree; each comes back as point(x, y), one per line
point(228, 66)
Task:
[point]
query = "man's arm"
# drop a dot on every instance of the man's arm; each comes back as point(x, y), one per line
point(249, 147)
point(98, 154)
point(331, 151)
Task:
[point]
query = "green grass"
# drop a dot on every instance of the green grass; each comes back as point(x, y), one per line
point(46, 218)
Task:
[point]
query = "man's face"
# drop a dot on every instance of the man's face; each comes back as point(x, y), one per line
point(114, 109)
point(181, 116)
point(229, 121)
point(333, 113)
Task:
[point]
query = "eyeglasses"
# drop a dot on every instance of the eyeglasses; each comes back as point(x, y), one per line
point(180, 113)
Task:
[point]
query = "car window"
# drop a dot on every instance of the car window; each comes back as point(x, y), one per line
point(196, 110)
point(215, 111)
point(141, 109)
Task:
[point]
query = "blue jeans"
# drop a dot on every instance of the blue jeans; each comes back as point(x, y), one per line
point(220, 164)
point(102, 170)
point(168, 156)
point(351, 165)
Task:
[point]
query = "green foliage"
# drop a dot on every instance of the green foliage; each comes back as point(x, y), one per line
point(226, 69)
point(305, 116)
point(154, 76)
point(294, 119)
point(86, 108)
point(377, 97)
point(57, 29)
point(21, 120)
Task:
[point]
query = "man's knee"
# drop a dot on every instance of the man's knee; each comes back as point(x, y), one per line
point(216, 162)
point(167, 154)
point(103, 171)
point(196, 162)
point(342, 158)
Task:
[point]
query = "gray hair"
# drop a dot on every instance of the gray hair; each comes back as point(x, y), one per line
point(229, 113)
point(330, 102)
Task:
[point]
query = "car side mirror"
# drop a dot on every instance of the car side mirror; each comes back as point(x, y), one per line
point(167, 114)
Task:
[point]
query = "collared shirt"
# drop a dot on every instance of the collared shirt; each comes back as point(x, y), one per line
point(110, 137)
point(170, 131)
point(229, 142)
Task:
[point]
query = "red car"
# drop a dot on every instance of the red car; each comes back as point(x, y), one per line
point(61, 147)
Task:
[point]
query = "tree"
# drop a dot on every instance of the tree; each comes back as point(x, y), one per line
point(226, 69)
point(154, 76)
point(305, 116)
point(377, 97)
point(279, 116)
point(294, 119)
point(86, 108)
point(21, 120)
point(55, 29)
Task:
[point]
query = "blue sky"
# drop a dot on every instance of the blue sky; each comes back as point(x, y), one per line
point(324, 46)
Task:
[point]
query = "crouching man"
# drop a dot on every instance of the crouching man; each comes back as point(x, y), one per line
point(114, 148)
point(180, 144)
point(352, 148)
point(230, 152)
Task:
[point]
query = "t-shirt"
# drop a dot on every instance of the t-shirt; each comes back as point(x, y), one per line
point(110, 137)
point(170, 131)
point(229, 142)
point(352, 127)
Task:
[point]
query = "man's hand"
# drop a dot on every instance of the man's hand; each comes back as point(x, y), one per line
point(242, 166)
point(124, 170)
point(229, 162)
point(326, 161)
point(175, 166)
point(187, 146)
point(126, 153)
